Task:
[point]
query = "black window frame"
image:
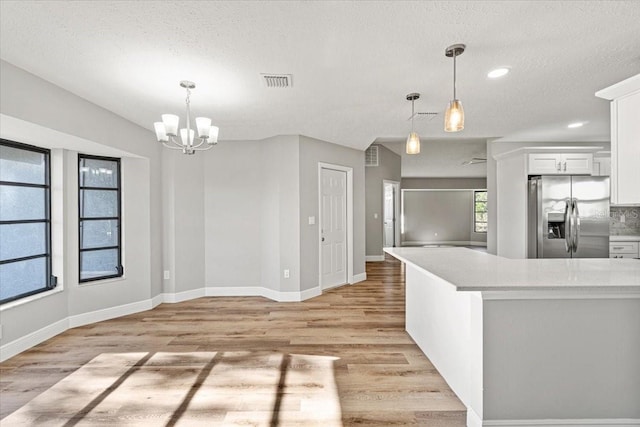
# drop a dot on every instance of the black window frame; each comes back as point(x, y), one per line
point(51, 281)
point(119, 267)
point(476, 211)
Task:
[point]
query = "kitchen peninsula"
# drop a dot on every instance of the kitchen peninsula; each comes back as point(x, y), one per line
point(529, 342)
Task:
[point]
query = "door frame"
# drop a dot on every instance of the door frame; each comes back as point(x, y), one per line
point(349, 231)
point(396, 211)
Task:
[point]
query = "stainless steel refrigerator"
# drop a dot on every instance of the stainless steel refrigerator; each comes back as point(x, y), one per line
point(568, 217)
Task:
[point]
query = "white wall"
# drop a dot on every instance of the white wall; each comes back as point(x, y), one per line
point(438, 216)
point(389, 168)
point(37, 112)
point(312, 152)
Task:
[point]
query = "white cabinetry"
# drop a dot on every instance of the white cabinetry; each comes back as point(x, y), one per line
point(602, 164)
point(560, 164)
point(625, 140)
point(623, 250)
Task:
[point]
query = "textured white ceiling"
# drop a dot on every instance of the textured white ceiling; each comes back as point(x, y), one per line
point(352, 63)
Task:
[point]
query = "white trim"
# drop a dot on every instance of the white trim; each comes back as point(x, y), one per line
point(349, 254)
point(374, 258)
point(603, 422)
point(34, 338)
point(550, 294)
point(259, 291)
point(620, 89)
point(473, 419)
point(108, 313)
point(157, 300)
point(183, 296)
point(547, 149)
point(359, 278)
point(396, 210)
point(310, 293)
point(31, 298)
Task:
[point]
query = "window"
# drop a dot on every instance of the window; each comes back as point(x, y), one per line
point(25, 226)
point(99, 218)
point(480, 211)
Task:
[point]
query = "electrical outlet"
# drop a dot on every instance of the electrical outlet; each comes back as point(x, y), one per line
point(167, 275)
point(286, 274)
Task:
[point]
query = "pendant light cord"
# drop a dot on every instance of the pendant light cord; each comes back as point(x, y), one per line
point(412, 114)
point(454, 74)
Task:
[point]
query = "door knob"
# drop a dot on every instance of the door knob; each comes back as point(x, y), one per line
point(323, 239)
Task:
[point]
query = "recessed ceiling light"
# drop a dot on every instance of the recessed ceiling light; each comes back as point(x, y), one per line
point(575, 125)
point(498, 72)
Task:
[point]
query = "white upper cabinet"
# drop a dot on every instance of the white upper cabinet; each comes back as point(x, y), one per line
point(560, 164)
point(625, 140)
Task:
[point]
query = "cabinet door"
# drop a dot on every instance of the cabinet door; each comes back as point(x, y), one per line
point(544, 164)
point(577, 164)
point(625, 150)
point(601, 166)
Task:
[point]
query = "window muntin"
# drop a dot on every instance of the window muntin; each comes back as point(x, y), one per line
point(480, 211)
point(99, 208)
point(25, 225)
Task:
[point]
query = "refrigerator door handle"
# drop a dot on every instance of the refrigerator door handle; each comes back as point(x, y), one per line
point(568, 225)
point(576, 224)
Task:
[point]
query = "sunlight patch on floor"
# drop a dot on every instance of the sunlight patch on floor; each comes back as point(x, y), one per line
point(190, 389)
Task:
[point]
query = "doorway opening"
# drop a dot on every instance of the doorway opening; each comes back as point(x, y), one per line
point(391, 213)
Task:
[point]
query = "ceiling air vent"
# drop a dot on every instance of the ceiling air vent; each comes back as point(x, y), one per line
point(371, 156)
point(277, 80)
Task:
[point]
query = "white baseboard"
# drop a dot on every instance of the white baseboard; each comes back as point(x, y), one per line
point(259, 291)
point(108, 313)
point(157, 300)
point(310, 293)
point(359, 278)
point(26, 342)
point(183, 296)
point(34, 338)
point(473, 420)
point(374, 258)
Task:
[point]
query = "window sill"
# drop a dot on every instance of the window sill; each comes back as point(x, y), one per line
point(31, 298)
point(102, 281)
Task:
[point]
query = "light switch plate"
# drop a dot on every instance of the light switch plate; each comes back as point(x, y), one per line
point(167, 275)
point(375, 216)
point(312, 220)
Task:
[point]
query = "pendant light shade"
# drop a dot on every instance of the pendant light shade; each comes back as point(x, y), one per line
point(413, 140)
point(454, 116)
point(413, 143)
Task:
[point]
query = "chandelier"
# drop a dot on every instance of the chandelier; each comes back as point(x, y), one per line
point(167, 129)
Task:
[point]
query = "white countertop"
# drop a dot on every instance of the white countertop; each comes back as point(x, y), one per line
point(624, 238)
point(471, 270)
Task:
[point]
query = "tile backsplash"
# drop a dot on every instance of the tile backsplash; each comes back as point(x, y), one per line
point(625, 221)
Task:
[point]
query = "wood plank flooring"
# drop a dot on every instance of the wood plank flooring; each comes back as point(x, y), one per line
point(273, 362)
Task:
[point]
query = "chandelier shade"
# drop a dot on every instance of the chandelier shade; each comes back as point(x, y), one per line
point(167, 129)
point(454, 115)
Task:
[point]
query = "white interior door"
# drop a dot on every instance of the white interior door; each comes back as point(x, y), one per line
point(389, 216)
point(333, 228)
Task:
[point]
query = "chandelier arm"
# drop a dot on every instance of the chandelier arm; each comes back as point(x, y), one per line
point(209, 147)
point(175, 143)
point(173, 147)
point(201, 142)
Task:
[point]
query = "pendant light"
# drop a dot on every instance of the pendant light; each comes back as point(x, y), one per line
point(454, 116)
point(413, 141)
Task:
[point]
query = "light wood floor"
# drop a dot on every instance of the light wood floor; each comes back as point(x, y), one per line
point(380, 376)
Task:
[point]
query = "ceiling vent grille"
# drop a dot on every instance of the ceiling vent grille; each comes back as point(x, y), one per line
point(277, 80)
point(371, 156)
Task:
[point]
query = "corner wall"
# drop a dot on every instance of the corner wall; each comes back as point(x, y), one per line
point(34, 111)
point(389, 168)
